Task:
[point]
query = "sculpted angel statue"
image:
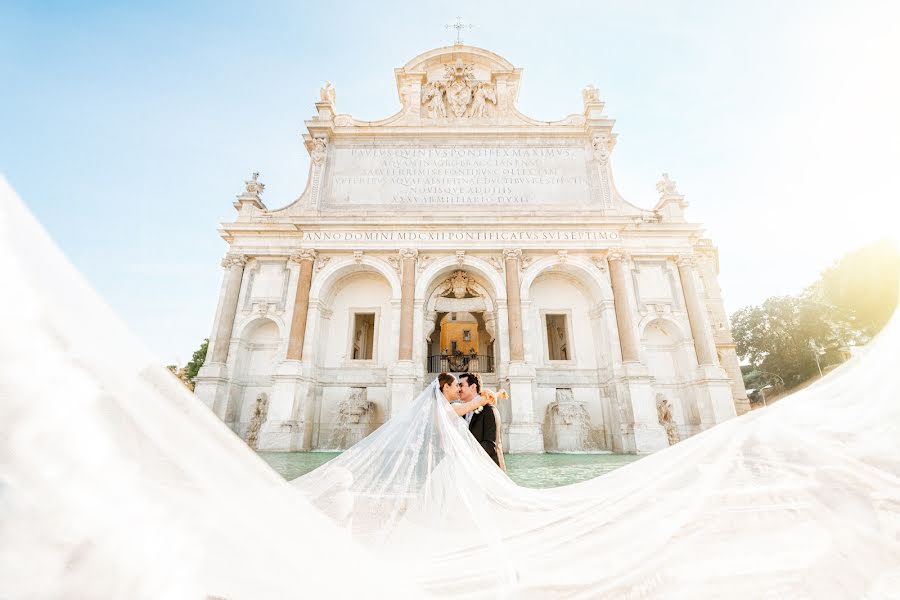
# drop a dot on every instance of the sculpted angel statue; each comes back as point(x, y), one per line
point(433, 96)
point(484, 93)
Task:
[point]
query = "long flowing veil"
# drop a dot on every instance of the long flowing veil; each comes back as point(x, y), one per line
point(116, 483)
point(800, 500)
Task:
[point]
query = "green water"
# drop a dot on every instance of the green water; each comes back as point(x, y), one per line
point(529, 470)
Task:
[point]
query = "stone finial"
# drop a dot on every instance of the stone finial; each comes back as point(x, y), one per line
point(327, 93)
point(671, 204)
point(593, 106)
point(254, 185)
point(249, 201)
point(666, 187)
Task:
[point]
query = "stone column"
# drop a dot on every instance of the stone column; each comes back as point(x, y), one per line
point(643, 434)
point(625, 318)
point(715, 398)
point(212, 384)
point(721, 330)
point(402, 374)
point(524, 432)
point(234, 265)
point(306, 258)
point(289, 424)
point(514, 304)
point(407, 301)
point(706, 354)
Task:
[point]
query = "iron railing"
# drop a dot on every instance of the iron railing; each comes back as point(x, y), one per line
point(460, 363)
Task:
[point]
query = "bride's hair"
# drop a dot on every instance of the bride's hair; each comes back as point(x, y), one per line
point(444, 379)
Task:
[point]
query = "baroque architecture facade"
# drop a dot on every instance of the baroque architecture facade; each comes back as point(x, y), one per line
point(460, 234)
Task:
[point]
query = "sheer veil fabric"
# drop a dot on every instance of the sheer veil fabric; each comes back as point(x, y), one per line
point(800, 500)
point(116, 483)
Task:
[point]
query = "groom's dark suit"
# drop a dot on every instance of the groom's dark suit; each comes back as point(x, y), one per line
point(484, 427)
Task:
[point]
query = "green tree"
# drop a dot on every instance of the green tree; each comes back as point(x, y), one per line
point(777, 335)
point(193, 366)
point(863, 286)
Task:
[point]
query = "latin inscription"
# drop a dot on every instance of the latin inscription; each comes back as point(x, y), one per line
point(459, 175)
point(460, 236)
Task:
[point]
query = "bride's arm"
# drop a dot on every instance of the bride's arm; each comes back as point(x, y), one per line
point(486, 397)
point(467, 407)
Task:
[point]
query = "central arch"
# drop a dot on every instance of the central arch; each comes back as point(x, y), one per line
point(465, 287)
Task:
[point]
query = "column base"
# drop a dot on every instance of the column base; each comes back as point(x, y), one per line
point(291, 419)
point(525, 438)
point(403, 378)
point(524, 435)
point(644, 435)
point(280, 436)
point(211, 386)
point(715, 396)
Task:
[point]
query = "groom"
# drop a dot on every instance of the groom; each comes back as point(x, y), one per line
point(482, 423)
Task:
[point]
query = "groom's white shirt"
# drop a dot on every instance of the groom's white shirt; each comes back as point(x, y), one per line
point(469, 417)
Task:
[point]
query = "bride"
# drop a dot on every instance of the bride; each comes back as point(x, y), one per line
point(116, 483)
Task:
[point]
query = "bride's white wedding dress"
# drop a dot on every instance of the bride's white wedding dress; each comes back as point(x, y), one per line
point(116, 483)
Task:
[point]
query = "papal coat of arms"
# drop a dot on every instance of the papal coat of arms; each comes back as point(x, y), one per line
point(460, 92)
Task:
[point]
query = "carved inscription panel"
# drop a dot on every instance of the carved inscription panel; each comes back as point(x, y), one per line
point(459, 175)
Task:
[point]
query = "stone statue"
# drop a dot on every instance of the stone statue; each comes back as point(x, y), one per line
point(253, 185)
point(664, 413)
point(327, 93)
point(590, 93)
point(666, 187)
point(484, 93)
point(433, 96)
point(259, 417)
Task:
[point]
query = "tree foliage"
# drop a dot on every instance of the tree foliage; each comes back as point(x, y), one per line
point(780, 335)
point(851, 302)
point(864, 284)
point(197, 359)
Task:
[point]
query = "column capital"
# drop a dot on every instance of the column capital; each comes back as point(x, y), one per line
point(512, 253)
point(685, 260)
point(304, 254)
point(409, 253)
point(233, 259)
point(617, 254)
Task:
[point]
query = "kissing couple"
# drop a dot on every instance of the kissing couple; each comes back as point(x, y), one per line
point(479, 408)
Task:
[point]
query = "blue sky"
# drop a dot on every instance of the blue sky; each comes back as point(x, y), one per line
point(129, 127)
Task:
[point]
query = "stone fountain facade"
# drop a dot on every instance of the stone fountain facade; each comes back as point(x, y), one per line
point(460, 233)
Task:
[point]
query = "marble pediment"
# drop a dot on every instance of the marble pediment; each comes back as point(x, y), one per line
point(454, 87)
point(459, 141)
